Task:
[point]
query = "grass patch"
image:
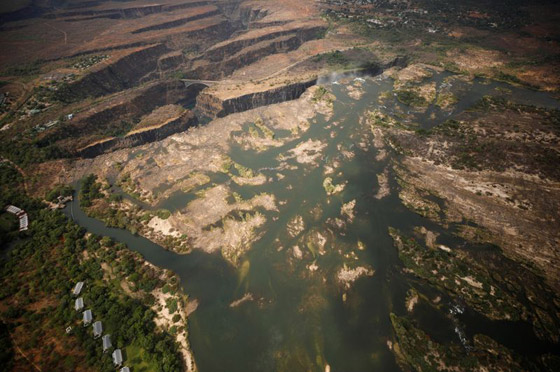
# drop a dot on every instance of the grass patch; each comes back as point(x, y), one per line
point(163, 214)
point(411, 98)
point(336, 58)
point(138, 359)
point(319, 94)
point(267, 132)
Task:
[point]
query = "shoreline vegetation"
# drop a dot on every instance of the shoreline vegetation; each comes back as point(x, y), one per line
point(141, 306)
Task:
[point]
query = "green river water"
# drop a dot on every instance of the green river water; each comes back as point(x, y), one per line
point(298, 319)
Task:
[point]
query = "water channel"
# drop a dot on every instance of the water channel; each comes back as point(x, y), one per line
point(300, 318)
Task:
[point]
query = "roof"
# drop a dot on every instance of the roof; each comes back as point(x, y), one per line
point(23, 222)
point(77, 288)
point(88, 316)
point(13, 209)
point(117, 357)
point(106, 342)
point(97, 328)
point(79, 305)
point(125, 369)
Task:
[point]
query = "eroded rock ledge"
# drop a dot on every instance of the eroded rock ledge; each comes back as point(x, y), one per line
point(146, 135)
point(213, 104)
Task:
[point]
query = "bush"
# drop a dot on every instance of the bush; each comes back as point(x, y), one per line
point(59, 190)
point(163, 214)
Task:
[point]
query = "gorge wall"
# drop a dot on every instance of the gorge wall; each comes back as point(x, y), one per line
point(157, 133)
point(211, 106)
point(123, 74)
point(222, 60)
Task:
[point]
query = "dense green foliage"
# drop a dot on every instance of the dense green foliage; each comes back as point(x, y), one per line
point(336, 58)
point(60, 190)
point(319, 94)
point(38, 275)
point(25, 152)
point(6, 348)
point(90, 190)
point(163, 214)
point(411, 98)
point(24, 69)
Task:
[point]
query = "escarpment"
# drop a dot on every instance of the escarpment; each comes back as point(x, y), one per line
point(224, 58)
point(247, 56)
point(178, 22)
point(142, 136)
point(118, 66)
point(123, 74)
point(249, 14)
point(210, 105)
point(118, 114)
point(304, 31)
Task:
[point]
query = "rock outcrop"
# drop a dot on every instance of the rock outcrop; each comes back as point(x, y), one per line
point(136, 138)
point(125, 73)
point(226, 57)
point(211, 106)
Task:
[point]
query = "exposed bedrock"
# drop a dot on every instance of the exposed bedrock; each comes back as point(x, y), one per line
point(123, 74)
point(220, 70)
point(116, 112)
point(159, 94)
point(174, 38)
point(210, 106)
point(157, 133)
point(248, 14)
point(177, 22)
point(231, 56)
point(226, 49)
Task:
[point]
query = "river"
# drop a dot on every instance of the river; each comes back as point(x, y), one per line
point(300, 319)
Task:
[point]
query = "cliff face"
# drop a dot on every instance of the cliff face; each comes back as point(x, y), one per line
point(224, 59)
point(119, 112)
point(248, 14)
point(177, 22)
point(210, 106)
point(182, 123)
point(220, 70)
point(122, 74)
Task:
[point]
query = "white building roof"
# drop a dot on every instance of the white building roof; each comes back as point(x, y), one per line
point(23, 222)
point(106, 342)
point(79, 304)
point(13, 209)
point(117, 357)
point(125, 369)
point(97, 329)
point(77, 288)
point(88, 316)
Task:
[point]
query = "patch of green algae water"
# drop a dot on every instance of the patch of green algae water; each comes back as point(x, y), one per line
point(298, 316)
